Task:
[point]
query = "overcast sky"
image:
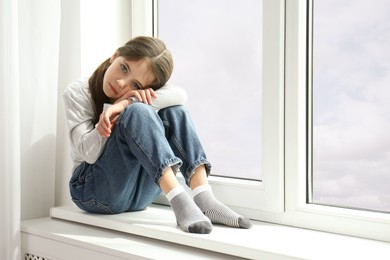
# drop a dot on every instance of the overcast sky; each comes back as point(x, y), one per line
point(218, 61)
point(352, 103)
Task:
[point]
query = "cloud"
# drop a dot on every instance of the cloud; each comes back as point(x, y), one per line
point(351, 103)
point(218, 61)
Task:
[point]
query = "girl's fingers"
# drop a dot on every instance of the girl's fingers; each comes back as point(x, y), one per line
point(149, 96)
point(105, 130)
point(102, 131)
point(107, 121)
point(143, 95)
point(138, 96)
point(104, 125)
point(113, 121)
point(153, 93)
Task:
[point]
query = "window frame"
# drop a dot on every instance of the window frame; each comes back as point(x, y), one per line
point(282, 196)
point(268, 194)
point(299, 212)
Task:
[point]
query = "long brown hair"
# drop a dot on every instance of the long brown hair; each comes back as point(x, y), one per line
point(143, 47)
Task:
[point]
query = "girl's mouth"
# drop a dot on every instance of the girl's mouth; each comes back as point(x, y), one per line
point(113, 89)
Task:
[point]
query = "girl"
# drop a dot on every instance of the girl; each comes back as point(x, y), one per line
point(125, 154)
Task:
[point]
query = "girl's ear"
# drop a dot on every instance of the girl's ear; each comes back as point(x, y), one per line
point(114, 56)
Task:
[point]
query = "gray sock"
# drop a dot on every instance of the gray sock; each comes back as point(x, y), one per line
point(217, 212)
point(188, 215)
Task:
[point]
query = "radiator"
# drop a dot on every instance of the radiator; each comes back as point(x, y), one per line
point(33, 257)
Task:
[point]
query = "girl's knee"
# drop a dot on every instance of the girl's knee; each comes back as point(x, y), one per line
point(137, 111)
point(139, 108)
point(173, 111)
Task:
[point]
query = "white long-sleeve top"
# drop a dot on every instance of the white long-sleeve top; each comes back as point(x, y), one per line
point(86, 143)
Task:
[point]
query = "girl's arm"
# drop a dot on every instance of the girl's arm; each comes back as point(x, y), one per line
point(86, 142)
point(168, 96)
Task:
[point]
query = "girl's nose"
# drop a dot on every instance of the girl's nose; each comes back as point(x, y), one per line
point(121, 83)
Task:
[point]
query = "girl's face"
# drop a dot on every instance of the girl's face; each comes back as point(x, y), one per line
point(123, 75)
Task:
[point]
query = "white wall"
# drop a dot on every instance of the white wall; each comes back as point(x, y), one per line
point(69, 69)
point(38, 59)
point(104, 25)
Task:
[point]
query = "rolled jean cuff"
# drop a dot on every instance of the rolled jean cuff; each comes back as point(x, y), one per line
point(174, 163)
point(191, 170)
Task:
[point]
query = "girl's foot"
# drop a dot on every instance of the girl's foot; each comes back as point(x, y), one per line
point(188, 215)
point(217, 212)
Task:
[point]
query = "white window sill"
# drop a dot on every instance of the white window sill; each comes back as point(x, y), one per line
point(262, 241)
point(55, 239)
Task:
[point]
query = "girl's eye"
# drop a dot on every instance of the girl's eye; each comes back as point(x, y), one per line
point(136, 85)
point(124, 68)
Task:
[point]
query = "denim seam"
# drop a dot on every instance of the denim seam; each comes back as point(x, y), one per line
point(141, 148)
point(177, 144)
point(175, 163)
point(95, 203)
point(191, 169)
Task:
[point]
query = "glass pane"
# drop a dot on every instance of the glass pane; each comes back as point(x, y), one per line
point(217, 52)
point(351, 97)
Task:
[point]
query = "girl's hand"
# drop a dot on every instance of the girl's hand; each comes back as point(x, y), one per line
point(143, 95)
point(109, 117)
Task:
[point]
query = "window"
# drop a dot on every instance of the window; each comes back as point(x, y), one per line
point(218, 61)
point(298, 150)
point(284, 194)
point(351, 122)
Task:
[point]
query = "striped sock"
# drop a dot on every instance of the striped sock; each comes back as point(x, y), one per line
point(188, 215)
point(217, 212)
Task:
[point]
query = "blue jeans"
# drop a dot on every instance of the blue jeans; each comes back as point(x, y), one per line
point(142, 145)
